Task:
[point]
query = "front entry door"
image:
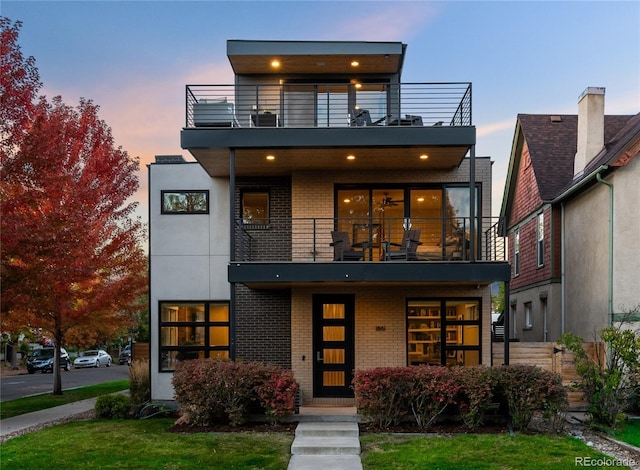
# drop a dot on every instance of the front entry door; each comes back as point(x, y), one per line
point(333, 343)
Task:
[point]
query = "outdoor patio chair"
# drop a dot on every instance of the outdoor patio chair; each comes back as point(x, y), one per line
point(362, 118)
point(408, 247)
point(343, 250)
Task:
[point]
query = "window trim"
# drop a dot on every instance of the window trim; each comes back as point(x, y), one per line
point(165, 211)
point(206, 348)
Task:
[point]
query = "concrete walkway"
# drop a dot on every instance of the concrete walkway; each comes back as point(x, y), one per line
point(327, 438)
point(42, 418)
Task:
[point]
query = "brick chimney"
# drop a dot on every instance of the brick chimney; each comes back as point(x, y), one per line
point(590, 127)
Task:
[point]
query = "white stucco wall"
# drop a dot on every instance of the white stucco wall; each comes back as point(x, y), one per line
point(586, 244)
point(189, 254)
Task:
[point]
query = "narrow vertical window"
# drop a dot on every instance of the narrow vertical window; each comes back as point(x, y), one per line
point(540, 243)
point(516, 253)
point(528, 323)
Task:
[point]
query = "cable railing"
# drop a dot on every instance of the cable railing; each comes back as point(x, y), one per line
point(304, 105)
point(355, 239)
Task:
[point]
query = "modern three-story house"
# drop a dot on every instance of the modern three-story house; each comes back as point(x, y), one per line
point(335, 219)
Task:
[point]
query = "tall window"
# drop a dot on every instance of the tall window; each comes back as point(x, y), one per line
point(192, 330)
point(255, 207)
point(443, 332)
point(541, 239)
point(528, 322)
point(185, 202)
point(516, 252)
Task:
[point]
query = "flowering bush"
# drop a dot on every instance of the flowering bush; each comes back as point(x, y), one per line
point(210, 390)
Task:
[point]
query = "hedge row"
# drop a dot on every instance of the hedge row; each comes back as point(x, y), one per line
point(390, 395)
point(210, 391)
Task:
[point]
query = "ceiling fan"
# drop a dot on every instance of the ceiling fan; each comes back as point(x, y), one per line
point(389, 201)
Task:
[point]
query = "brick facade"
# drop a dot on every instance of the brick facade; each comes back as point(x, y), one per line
point(263, 325)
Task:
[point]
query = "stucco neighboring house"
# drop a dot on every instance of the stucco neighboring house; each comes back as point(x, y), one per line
point(335, 219)
point(573, 219)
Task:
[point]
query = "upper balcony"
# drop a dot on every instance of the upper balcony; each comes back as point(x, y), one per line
point(315, 125)
point(277, 252)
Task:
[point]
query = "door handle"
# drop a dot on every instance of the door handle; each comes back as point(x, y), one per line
point(318, 357)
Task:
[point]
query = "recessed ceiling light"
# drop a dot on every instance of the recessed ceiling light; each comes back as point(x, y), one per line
point(354, 63)
point(270, 157)
point(347, 200)
point(420, 199)
point(351, 157)
point(424, 156)
point(275, 63)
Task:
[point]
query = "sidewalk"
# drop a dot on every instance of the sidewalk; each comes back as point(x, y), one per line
point(43, 418)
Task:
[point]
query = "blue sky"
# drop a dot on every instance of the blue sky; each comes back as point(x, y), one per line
point(134, 59)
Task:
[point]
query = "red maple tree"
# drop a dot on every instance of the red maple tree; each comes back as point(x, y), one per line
point(71, 256)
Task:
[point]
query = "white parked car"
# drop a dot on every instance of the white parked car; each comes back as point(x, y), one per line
point(93, 358)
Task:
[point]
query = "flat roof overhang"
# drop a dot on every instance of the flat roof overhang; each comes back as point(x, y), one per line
point(249, 57)
point(285, 275)
point(375, 148)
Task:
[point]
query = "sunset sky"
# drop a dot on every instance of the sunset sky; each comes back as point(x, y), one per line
point(134, 59)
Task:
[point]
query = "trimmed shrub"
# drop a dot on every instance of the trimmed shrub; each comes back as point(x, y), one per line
point(139, 382)
point(113, 406)
point(382, 394)
point(388, 395)
point(476, 393)
point(432, 390)
point(277, 395)
point(210, 391)
point(528, 389)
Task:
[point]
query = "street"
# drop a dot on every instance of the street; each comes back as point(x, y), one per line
point(23, 385)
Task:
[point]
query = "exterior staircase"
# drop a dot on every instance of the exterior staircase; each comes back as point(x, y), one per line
point(326, 441)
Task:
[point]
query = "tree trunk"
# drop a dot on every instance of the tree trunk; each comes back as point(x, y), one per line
point(57, 378)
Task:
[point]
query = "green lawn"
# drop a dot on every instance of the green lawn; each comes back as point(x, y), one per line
point(629, 432)
point(145, 444)
point(142, 444)
point(47, 400)
point(473, 452)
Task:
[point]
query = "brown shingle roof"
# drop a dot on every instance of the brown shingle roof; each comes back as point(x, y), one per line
point(552, 147)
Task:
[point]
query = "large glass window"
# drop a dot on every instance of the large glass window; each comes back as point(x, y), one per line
point(444, 332)
point(185, 202)
point(382, 214)
point(192, 330)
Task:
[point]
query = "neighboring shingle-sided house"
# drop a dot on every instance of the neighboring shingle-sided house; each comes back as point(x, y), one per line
point(571, 208)
point(336, 219)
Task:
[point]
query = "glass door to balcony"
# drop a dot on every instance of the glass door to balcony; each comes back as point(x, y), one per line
point(333, 344)
point(371, 216)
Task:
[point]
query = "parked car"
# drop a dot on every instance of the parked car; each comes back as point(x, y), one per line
point(125, 355)
point(42, 360)
point(93, 358)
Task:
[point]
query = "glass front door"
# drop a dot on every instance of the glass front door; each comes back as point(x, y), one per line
point(333, 342)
